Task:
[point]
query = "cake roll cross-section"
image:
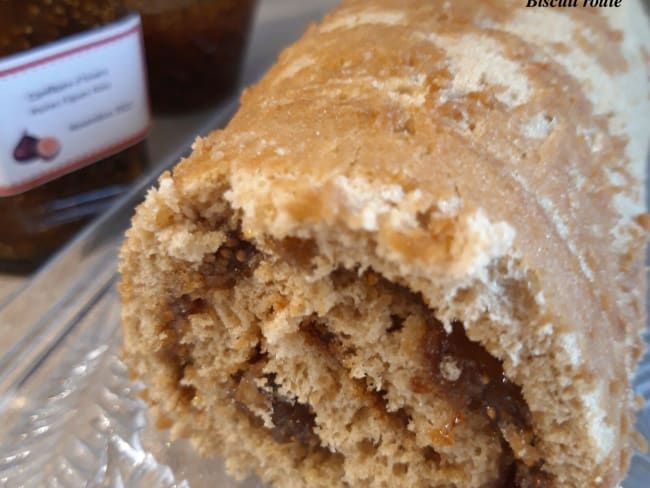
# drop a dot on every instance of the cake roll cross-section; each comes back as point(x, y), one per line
point(414, 257)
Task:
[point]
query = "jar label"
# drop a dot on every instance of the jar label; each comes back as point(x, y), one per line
point(70, 103)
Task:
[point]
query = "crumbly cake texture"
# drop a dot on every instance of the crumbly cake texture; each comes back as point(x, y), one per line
point(413, 258)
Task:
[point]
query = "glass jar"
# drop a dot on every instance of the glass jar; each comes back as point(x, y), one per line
point(194, 49)
point(74, 141)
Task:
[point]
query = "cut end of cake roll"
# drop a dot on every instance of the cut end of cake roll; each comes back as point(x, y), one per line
point(400, 265)
point(303, 366)
point(311, 361)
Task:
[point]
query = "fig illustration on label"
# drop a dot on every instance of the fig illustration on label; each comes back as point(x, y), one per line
point(30, 148)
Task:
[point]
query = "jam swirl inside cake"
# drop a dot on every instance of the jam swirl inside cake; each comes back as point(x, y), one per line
point(443, 365)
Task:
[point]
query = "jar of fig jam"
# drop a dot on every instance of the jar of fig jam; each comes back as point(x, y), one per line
point(74, 115)
point(194, 48)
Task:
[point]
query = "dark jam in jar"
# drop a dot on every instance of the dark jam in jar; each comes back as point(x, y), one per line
point(38, 220)
point(194, 49)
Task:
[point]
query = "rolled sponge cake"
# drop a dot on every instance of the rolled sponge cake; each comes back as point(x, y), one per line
point(414, 257)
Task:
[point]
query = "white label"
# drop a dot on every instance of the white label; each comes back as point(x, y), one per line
point(71, 103)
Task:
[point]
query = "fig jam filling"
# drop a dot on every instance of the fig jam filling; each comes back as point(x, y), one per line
point(455, 367)
point(460, 370)
point(515, 474)
point(474, 381)
point(235, 259)
point(177, 352)
point(292, 421)
point(470, 377)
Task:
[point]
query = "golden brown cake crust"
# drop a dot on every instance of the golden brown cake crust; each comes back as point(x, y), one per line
point(485, 156)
